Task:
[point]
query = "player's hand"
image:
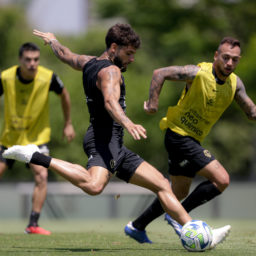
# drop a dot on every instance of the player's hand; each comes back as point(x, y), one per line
point(137, 131)
point(47, 37)
point(69, 132)
point(150, 108)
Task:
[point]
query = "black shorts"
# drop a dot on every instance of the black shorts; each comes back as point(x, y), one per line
point(110, 153)
point(186, 155)
point(43, 149)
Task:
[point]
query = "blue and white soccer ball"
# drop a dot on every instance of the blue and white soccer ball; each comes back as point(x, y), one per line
point(196, 236)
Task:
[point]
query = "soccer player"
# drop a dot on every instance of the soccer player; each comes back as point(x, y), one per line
point(104, 88)
point(209, 90)
point(26, 118)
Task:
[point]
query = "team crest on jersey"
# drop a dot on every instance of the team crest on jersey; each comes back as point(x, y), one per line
point(207, 153)
point(112, 163)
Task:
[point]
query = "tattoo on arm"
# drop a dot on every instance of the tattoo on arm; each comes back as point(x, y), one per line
point(76, 61)
point(174, 73)
point(110, 87)
point(244, 100)
point(180, 73)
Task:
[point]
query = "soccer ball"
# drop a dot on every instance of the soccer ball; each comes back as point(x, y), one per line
point(196, 236)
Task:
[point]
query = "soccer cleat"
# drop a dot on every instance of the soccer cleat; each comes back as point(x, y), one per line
point(219, 235)
point(37, 230)
point(139, 236)
point(21, 153)
point(176, 226)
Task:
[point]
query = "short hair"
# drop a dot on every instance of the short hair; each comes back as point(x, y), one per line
point(231, 41)
point(122, 35)
point(28, 47)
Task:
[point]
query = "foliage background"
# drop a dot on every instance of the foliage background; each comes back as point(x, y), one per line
point(173, 33)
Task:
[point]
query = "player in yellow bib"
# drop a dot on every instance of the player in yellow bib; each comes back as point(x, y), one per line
point(26, 118)
point(209, 90)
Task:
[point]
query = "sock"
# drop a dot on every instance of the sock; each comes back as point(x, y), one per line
point(41, 159)
point(203, 193)
point(152, 212)
point(33, 220)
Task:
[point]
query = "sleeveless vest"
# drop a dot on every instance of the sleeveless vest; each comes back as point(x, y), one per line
point(26, 108)
point(200, 107)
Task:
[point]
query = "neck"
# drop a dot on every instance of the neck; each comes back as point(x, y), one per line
point(106, 56)
point(218, 77)
point(24, 75)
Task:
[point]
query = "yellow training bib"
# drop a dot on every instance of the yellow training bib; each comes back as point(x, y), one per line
point(202, 105)
point(26, 108)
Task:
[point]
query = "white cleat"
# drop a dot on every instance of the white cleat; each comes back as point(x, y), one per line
point(21, 153)
point(219, 235)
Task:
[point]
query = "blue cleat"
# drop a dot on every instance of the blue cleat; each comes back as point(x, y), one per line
point(176, 226)
point(139, 236)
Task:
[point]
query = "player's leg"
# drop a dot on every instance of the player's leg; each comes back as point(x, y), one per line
point(91, 181)
point(38, 199)
point(3, 168)
point(180, 188)
point(217, 181)
point(148, 177)
point(4, 163)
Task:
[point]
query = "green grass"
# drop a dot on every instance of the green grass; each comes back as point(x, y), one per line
point(106, 237)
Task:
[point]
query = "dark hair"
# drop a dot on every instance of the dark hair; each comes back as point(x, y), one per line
point(28, 47)
point(123, 35)
point(231, 41)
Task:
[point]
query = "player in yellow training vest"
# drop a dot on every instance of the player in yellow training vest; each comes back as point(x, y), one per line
point(209, 90)
point(26, 118)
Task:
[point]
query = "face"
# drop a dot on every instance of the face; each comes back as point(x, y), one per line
point(226, 60)
point(29, 62)
point(123, 55)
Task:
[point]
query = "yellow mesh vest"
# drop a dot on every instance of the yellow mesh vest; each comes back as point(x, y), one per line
point(26, 108)
point(201, 106)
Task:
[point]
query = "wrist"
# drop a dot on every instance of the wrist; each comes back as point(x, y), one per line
point(53, 40)
point(69, 122)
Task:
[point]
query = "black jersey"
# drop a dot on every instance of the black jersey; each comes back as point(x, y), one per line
point(94, 98)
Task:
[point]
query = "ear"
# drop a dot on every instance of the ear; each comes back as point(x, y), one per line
point(216, 55)
point(113, 47)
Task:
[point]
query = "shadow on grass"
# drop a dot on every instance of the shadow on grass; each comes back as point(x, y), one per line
point(39, 250)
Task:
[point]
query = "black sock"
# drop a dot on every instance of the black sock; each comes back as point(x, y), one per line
point(203, 193)
point(152, 212)
point(41, 159)
point(33, 220)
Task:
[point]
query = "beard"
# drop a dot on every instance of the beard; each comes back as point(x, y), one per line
point(118, 62)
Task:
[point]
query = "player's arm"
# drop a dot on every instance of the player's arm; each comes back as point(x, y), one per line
point(109, 80)
point(76, 61)
point(244, 100)
point(173, 73)
point(68, 130)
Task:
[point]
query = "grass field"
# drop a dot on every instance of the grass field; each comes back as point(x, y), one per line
point(106, 237)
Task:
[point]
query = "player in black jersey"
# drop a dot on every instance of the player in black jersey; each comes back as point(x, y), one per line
point(103, 143)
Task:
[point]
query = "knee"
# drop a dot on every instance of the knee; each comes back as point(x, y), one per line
point(41, 177)
point(92, 189)
point(223, 183)
point(165, 184)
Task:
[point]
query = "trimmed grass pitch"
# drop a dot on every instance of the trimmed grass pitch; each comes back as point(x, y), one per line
point(106, 237)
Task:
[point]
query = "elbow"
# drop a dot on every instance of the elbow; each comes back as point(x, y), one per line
point(107, 105)
point(156, 72)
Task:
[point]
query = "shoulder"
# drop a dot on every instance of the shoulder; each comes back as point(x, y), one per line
point(239, 83)
point(110, 72)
